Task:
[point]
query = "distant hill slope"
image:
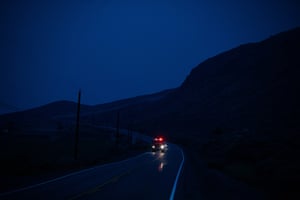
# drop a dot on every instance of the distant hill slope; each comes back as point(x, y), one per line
point(41, 117)
point(253, 86)
point(64, 112)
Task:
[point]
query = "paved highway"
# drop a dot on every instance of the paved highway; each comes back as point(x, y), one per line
point(146, 176)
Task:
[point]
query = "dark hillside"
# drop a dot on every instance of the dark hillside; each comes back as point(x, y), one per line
point(46, 116)
point(247, 99)
point(252, 86)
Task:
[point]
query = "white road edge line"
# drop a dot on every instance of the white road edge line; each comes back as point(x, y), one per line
point(177, 177)
point(68, 175)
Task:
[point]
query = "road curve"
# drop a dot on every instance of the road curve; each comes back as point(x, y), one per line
point(146, 176)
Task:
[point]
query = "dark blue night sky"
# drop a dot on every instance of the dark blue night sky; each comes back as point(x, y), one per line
point(114, 49)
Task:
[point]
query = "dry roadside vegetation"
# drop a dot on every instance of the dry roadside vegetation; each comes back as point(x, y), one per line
point(29, 156)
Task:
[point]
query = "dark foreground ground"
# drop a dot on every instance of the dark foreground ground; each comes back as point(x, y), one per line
point(198, 181)
point(243, 165)
point(35, 156)
point(226, 167)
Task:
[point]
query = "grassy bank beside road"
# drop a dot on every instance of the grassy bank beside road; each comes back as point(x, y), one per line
point(30, 156)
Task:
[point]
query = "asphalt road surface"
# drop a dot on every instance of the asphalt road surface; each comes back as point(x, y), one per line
point(146, 176)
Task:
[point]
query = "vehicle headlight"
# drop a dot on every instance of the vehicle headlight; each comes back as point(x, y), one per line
point(153, 147)
point(162, 146)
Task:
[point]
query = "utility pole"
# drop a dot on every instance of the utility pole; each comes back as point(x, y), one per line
point(128, 135)
point(130, 130)
point(118, 129)
point(77, 127)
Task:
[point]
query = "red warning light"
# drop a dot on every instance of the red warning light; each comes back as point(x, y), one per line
point(160, 139)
